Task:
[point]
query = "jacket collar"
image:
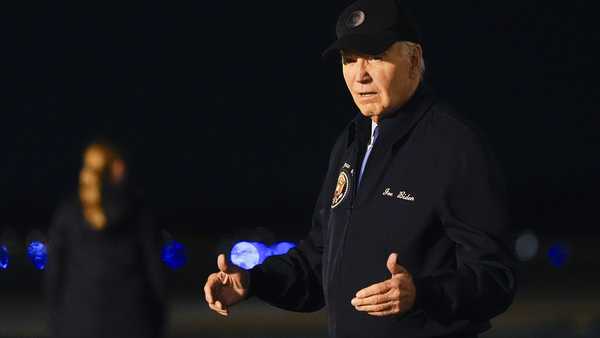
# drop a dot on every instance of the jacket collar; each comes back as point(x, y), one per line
point(393, 130)
point(396, 125)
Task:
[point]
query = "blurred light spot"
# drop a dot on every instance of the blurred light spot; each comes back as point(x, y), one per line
point(247, 255)
point(282, 247)
point(558, 255)
point(527, 246)
point(38, 254)
point(173, 255)
point(3, 257)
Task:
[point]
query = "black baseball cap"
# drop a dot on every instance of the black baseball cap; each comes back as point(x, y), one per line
point(371, 26)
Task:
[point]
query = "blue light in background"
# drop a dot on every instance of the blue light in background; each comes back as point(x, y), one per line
point(558, 255)
point(247, 255)
point(282, 247)
point(37, 254)
point(527, 246)
point(3, 257)
point(173, 255)
point(244, 254)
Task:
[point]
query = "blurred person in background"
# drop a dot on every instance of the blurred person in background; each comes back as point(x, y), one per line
point(104, 276)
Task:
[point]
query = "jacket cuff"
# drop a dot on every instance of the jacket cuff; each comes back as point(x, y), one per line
point(255, 275)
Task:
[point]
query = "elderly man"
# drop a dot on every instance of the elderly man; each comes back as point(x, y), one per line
point(409, 234)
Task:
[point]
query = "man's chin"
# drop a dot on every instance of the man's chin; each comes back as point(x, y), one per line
point(369, 111)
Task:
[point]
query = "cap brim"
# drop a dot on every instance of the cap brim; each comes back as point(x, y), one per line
point(371, 44)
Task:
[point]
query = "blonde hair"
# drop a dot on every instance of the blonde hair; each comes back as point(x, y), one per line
point(98, 159)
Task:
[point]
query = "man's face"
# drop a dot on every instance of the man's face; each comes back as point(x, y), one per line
point(382, 83)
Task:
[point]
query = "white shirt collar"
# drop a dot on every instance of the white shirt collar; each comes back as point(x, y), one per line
point(373, 126)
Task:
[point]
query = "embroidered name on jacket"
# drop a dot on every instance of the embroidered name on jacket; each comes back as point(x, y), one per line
point(403, 195)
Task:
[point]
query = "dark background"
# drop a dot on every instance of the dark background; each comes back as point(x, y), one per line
point(227, 114)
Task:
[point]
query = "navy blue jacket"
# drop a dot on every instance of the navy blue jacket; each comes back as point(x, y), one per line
point(431, 192)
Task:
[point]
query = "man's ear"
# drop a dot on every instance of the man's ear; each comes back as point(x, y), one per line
point(415, 61)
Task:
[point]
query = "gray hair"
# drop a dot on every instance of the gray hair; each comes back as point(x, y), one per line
point(409, 48)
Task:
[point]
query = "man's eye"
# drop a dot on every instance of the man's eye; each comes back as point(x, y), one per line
point(376, 58)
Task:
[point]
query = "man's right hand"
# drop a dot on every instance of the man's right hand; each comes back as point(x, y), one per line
point(226, 287)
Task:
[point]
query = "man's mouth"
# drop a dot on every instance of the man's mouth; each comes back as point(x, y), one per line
point(367, 94)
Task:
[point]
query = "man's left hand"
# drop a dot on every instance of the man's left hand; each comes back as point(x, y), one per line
point(394, 296)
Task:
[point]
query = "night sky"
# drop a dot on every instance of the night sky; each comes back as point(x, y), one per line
point(227, 112)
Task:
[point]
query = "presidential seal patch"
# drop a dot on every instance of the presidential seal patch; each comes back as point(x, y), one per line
point(341, 189)
point(355, 19)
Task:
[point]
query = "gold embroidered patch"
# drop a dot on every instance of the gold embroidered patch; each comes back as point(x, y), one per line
point(341, 189)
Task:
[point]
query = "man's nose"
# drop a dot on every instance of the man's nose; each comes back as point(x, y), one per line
point(363, 74)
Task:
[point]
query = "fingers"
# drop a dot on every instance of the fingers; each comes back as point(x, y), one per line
point(222, 263)
point(209, 288)
point(375, 289)
point(393, 266)
point(392, 262)
point(219, 308)
point(216, 282)
point(213, 282)
point(377, 307)
point(392, 295)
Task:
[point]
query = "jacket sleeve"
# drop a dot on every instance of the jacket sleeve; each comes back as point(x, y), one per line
point(474, 216)
point(294, 281)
